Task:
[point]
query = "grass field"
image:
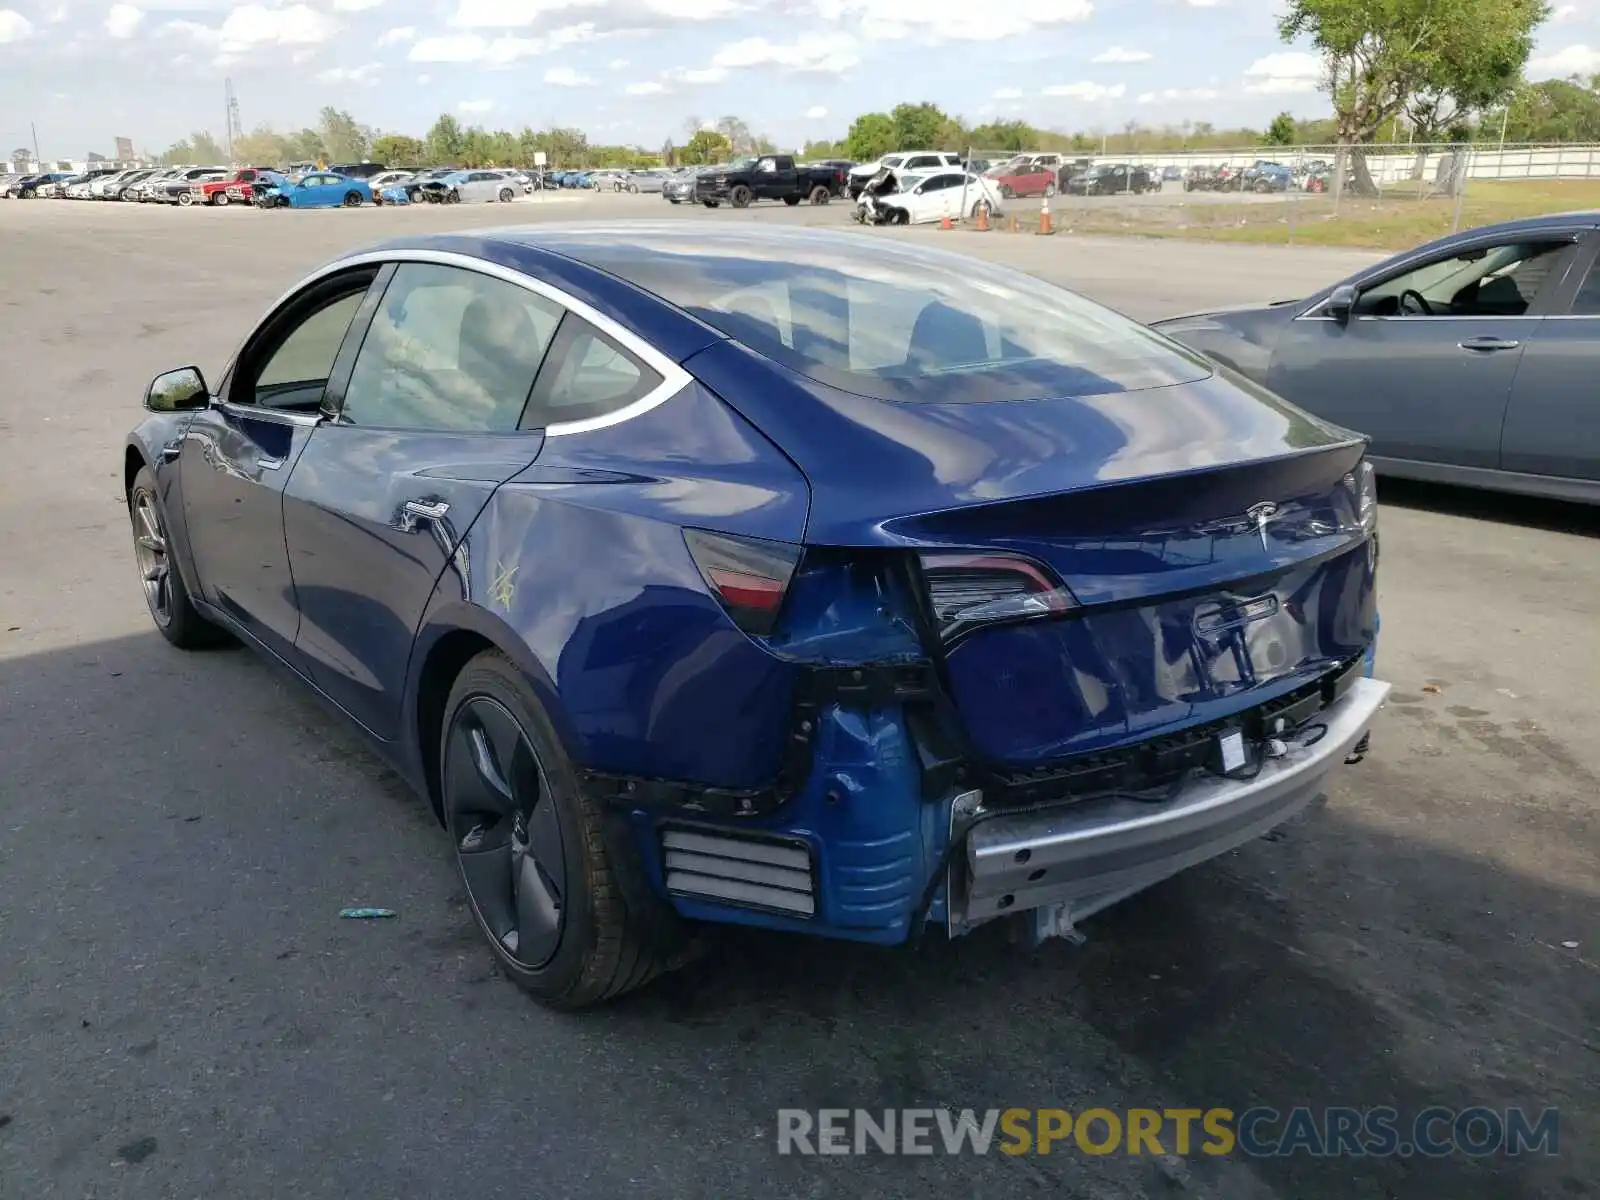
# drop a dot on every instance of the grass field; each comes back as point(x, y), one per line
point(1393, 221)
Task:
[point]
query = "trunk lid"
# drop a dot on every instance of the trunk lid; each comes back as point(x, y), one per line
point(1209, 535)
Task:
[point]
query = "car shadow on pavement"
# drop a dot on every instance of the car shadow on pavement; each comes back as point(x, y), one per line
point(1534, 512)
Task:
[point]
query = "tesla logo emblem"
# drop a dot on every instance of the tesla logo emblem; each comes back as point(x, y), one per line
point(503, 588)
point(1262, 515)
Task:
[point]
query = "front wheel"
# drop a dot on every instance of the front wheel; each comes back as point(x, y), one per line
point(742, 196)
point(505, 195)
point(352, 199)
point(1050, 189)
point(164, 592)
point(452, 197)
point(220, 199)
point(185, 199)
point(553, 884)
point(711, 203)
point(820, 195)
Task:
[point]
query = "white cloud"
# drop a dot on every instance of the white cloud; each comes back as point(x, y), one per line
point(1569, 60)
point(475, 106)
point(566, 77)
point(1087, 91)
point(1116, 54)
point(400, 33)
point(647, 87)
point(641, 14)
point(822, 54)
point(1286, 72)
point(122, 20)
point(367, 74)
point(498, 52)
point(1008, 93)
point(1174, 95)
point(699, 76)
point(1565, 13)
point(14, 27)
point(952, 20)
point(251, 27)
point(424, 80)
point(355, 5)
point(816, 112)
point(1206, 3)
point(617, 64)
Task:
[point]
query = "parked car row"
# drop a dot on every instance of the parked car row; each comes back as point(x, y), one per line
point(1263, 175)
point(346, 185)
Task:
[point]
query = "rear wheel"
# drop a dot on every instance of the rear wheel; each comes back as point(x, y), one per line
point(164, 592)
point(220, 199)
point(1049, 189)
point(742, 196)
point(352, 199)
point(505, 195)
point(553, 885)
point(820, 195)
point(185, 198)
point(711, 203)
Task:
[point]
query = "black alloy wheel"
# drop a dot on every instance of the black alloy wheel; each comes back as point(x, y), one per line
point(352, 199)
point(165, 594)
point(506, 831)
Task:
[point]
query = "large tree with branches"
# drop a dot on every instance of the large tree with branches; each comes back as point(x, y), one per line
point(1434, 61)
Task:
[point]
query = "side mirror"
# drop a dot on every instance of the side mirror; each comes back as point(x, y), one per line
point(1341, 301)
point(182, 390)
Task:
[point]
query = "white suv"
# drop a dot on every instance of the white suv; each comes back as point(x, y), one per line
point(904, 160)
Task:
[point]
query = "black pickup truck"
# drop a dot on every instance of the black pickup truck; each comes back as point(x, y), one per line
point(769, 177)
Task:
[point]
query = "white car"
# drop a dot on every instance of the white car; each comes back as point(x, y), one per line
point(932, 196)
point(387, 179)
point(906, 160)
point(487, 186)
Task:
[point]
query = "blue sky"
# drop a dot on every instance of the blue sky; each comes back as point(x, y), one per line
point(640, 70)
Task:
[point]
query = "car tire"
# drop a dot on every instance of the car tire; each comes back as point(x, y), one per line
point(452, 197)
point(185, 199)
point(220, 200)
point(898, 216)
point(553, 880)
point(165, 593)
point(792, 201)
point(506, 195)
point(711, 203)
point(352, 199)
point(673, 200)
point(1006, 193)
point(1050, 189)
point(821, 195)
point(741, 197)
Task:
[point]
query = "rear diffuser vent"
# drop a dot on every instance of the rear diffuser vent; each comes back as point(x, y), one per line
point(748, 871)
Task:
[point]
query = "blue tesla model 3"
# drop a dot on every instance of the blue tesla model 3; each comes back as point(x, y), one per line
point(788, 578)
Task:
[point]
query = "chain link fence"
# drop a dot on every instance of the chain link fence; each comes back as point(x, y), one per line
point(1375, 196)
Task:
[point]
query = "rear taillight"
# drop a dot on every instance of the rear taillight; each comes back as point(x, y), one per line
point(968, 591)
point(750, 576)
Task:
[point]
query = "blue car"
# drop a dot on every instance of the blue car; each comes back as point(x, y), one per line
point(780, 578)
point(317, 189)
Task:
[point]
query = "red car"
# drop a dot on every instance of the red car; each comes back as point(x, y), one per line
point(235, 189)
point(1029, 179)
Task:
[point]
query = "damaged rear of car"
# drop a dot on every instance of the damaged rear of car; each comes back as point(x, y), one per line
point(1072, 610)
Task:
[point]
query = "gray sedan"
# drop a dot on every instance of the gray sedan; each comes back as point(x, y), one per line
point(645, 181)
point(1470, 360)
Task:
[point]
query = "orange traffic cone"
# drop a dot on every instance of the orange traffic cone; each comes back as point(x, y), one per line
point(946, 223)
point(1044, 216)
point(983, 218)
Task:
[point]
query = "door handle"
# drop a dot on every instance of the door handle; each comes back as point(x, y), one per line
point(1487, 344)
point(413, 511)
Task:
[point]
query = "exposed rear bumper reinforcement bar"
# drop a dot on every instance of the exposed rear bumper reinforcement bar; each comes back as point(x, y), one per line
point(1089, 855)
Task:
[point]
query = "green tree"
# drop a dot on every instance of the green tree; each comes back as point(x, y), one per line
point(737, 134)
point(261, 147)
point(919, 126)
point(305, 146)
point(1012, 136)
point(178, 154)
point(1282, 130)
point(706, 146)
point(1383, 55)
point(872, 135)
point(397, 150)
point(206, 150)
point(343, 138)
point(443, 144)
point(821, 149)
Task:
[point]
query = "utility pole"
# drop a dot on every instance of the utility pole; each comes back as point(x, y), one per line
point(231, 123)
point(34, 129)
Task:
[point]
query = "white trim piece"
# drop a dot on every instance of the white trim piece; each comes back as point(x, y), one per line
point(673, 377)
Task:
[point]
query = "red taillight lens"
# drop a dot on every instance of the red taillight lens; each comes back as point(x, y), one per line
point(750, 576)
point(972, 590)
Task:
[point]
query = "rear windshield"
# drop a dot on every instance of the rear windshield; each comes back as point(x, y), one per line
point(902, 323)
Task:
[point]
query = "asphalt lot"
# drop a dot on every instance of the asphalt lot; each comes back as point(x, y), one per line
point(183, 1015)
